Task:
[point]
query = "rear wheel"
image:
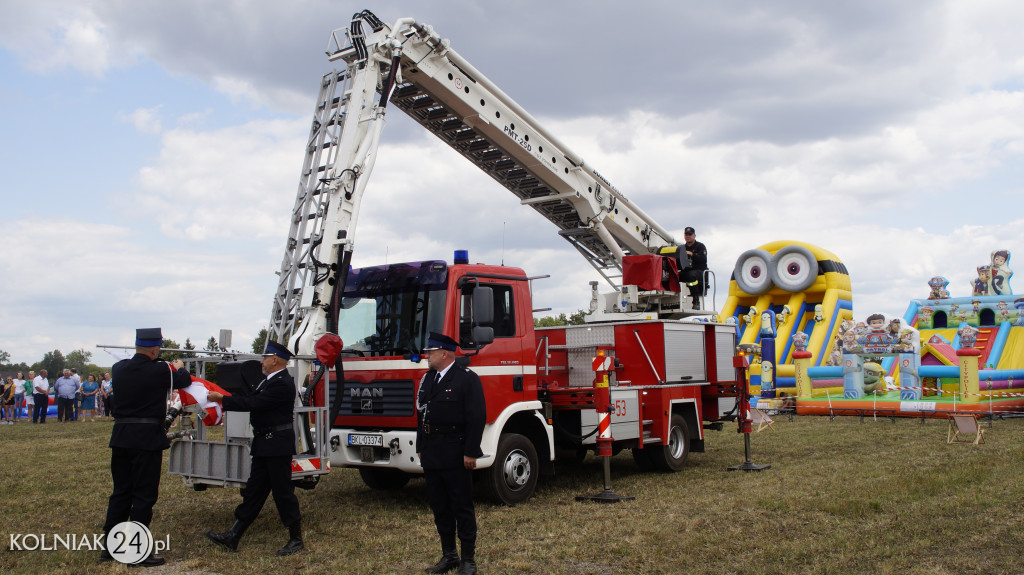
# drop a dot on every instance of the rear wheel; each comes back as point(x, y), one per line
point(642, 457)
point(513, 476)
point(383, 479)
point(672, 457)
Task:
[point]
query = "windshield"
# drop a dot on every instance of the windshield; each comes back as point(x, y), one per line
point(390, 310)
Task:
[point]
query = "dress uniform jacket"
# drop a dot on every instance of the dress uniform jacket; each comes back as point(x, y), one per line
point(141, 385)
point(452, 414)
point(270, 405)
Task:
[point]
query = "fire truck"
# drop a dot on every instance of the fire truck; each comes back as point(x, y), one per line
point(670, 375)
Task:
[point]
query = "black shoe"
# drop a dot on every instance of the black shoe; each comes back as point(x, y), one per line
point(467, 567)
point(294, 544)
point(229, 539)
point(448, 563)
point(151, 561)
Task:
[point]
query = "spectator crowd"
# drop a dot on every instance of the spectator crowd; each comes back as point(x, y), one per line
point(28, 399)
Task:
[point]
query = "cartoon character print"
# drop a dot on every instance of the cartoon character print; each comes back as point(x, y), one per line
point(874, 378)
point(982, 281)
point(925, 313)
point(968, 336)
point(894, 329)
point(751, 315)
point(1000, 282)
point(800, 341)
point(938, 288)
point(836, 357)
point(768, 323)
point(907, 341)
point(850, 344)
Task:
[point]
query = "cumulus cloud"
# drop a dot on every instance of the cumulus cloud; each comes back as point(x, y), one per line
point(888, 134)
point(51, 36)
point(73, 284)
point(145, 120)
point(235, 182)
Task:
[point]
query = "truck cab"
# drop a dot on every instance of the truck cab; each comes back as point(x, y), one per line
point(385, 314)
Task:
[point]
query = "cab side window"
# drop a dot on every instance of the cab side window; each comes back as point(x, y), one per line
point(504, 313)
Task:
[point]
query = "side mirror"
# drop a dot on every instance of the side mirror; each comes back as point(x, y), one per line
point(483, 335)
point(483, 308)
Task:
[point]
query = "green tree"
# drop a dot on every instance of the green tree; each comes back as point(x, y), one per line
point(78, 359)
point(189, 346)
point(576, 318)
point(211, 367)
point(550, 320)
point(170, 355)
point(53, 362)
point(260, 343)
point(22, 367)
point(6, 357)
point(212, 345)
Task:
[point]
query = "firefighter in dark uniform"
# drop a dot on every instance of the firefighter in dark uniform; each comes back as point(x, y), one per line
point(138, 439)
point(271, 406)
point(693, 275)
point(451, 414)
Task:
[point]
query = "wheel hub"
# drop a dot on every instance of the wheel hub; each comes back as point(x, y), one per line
point(516, 470)
point(675, 443)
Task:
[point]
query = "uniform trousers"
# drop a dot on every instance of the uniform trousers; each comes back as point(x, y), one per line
point(136, 474)
point(42, 403)
point(269, 475)
point(450, 492)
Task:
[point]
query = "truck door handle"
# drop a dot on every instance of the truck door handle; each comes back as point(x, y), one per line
point(517, 383)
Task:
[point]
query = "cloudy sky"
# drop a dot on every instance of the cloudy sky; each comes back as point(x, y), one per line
point(150, 151)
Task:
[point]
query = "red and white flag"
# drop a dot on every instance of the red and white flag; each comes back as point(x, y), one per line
point(196, 394)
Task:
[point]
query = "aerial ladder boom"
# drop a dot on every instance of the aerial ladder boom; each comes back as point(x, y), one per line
point(412, 68)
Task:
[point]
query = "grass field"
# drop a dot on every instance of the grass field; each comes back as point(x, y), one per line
point(841, 497)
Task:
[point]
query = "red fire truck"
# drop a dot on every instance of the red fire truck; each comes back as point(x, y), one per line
point(673, 368)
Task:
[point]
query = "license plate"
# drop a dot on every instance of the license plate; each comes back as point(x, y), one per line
point(366, 440)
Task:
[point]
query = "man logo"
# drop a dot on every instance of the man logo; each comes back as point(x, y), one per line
point(366, 392)
point(366, 396)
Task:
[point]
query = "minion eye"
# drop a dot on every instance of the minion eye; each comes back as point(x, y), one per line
point(794, 268)
point(753, 272)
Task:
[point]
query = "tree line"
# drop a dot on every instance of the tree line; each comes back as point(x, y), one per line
point(55, 362)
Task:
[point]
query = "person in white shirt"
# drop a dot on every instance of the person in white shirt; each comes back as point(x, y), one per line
point(40, 391)
point(19, 395)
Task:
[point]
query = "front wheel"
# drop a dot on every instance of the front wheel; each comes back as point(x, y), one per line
point(513, 477)
point(672, 457)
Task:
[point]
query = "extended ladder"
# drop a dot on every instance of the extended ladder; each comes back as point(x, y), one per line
point(307, 218)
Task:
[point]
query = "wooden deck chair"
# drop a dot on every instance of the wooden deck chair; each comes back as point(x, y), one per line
point(761, 419)
point(962, 427)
